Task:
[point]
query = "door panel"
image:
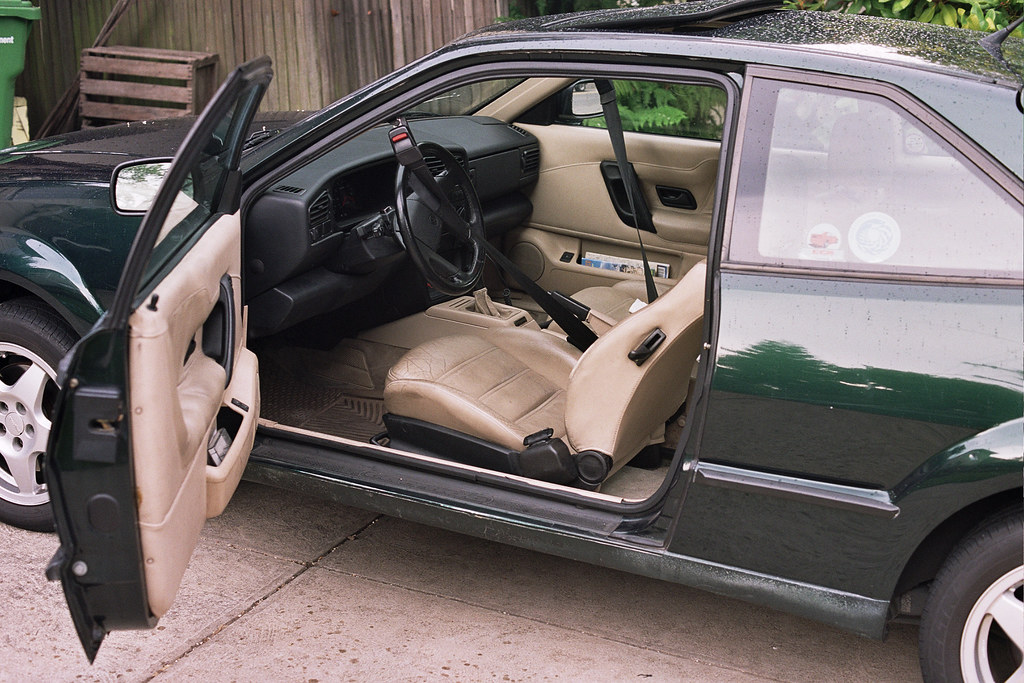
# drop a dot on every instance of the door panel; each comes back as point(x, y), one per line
point(241, 400)
point(143, 391)
point(171, 429)
point(573, 212)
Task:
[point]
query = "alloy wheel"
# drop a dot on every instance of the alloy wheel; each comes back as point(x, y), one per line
point(992, 645)
point(27, 392)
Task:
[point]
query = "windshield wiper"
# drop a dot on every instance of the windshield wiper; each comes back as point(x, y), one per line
point(258, 136)
point(420, 114)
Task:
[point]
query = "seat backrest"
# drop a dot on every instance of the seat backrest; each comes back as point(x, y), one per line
point(613, 405)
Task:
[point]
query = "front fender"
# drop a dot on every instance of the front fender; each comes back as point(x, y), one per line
point(38, 267)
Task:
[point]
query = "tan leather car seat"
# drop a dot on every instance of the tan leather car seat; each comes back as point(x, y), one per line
point(615, 301)
point(511, 383)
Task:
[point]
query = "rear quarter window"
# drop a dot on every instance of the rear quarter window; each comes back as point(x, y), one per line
point(836, 179)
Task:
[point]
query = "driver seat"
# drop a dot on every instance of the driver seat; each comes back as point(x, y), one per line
point(509, 385)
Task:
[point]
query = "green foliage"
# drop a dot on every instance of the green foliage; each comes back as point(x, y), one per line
point(695, 111)
point(980, 15)
point(515, 13)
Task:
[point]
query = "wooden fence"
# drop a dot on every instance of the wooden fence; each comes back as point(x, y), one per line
point(322, 49)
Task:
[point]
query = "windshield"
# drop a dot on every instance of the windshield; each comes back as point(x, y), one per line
point(466, 99)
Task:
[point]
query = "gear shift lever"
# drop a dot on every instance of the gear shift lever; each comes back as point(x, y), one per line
point(484, 305)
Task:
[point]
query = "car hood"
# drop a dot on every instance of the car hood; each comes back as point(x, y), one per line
point(90, 155)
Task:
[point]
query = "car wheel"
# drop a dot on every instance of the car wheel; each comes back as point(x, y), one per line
point(972, 628)
point(32, 342)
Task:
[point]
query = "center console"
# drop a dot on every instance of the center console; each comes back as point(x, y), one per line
point(462, 315)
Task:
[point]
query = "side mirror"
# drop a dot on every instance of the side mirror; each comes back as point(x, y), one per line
point(134, 184)
point(585, 101)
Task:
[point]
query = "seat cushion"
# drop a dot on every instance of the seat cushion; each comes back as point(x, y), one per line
point(501, 386)
point(615, 301)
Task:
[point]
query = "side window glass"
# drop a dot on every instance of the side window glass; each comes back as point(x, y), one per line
point(836, 179)
point(465, 99)
point(676, 109)
point(201, 191)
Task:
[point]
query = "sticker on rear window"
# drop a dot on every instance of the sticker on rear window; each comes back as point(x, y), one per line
point(874, 237)
point(823, 243)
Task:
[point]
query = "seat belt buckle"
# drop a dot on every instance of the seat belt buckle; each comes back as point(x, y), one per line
point(403, 143)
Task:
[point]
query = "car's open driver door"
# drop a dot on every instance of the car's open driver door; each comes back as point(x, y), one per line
point(160, 400)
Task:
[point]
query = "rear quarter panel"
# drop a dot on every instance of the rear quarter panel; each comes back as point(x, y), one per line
point(912, 391)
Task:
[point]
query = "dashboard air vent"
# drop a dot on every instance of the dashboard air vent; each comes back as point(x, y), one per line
point(436, 166)
point(320, 217)
point(291, 189)
point(529, 160)
point(517, 129)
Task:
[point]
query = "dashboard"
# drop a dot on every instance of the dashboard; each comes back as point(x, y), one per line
point(307, 247)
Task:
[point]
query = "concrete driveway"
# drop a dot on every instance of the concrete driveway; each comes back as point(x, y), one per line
point(287, 589)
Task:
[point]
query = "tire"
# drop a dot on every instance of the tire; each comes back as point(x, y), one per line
point(972, 628)
point(33, 340)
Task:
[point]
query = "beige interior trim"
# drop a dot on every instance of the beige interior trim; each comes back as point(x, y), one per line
point(455, 317)
point(222, 480)
point(538, 253)
point(523, 97)
point(170, 428)
point(573, 213)
point(570, 193)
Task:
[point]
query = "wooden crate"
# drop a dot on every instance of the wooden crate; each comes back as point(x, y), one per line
point(139, 83)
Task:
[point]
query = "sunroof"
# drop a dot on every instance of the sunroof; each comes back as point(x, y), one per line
point(665, 16)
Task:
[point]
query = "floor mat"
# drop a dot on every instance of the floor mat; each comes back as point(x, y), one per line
point(334, 393)
point(356, 366)
point(354, 417)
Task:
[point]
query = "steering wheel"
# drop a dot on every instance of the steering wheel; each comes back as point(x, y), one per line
point(428, 210)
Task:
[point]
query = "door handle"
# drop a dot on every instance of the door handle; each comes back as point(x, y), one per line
point(617, 192)
point(219, 329)
point(676, 197)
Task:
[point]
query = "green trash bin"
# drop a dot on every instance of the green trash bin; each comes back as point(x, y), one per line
point(15, 22)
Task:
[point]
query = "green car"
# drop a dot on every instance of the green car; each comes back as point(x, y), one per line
point(713, 293)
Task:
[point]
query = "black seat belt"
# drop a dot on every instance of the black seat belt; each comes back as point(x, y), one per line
point(641, 214)
point(578, 334)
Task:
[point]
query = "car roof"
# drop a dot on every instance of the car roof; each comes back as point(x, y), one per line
point(954, 51)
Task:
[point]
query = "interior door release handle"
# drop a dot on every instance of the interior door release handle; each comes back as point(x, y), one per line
point(676, 197)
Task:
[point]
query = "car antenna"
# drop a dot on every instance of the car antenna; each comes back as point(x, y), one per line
point(993, 43)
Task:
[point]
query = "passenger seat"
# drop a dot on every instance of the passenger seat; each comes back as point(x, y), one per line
point(612, 304)
point(615, 301)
